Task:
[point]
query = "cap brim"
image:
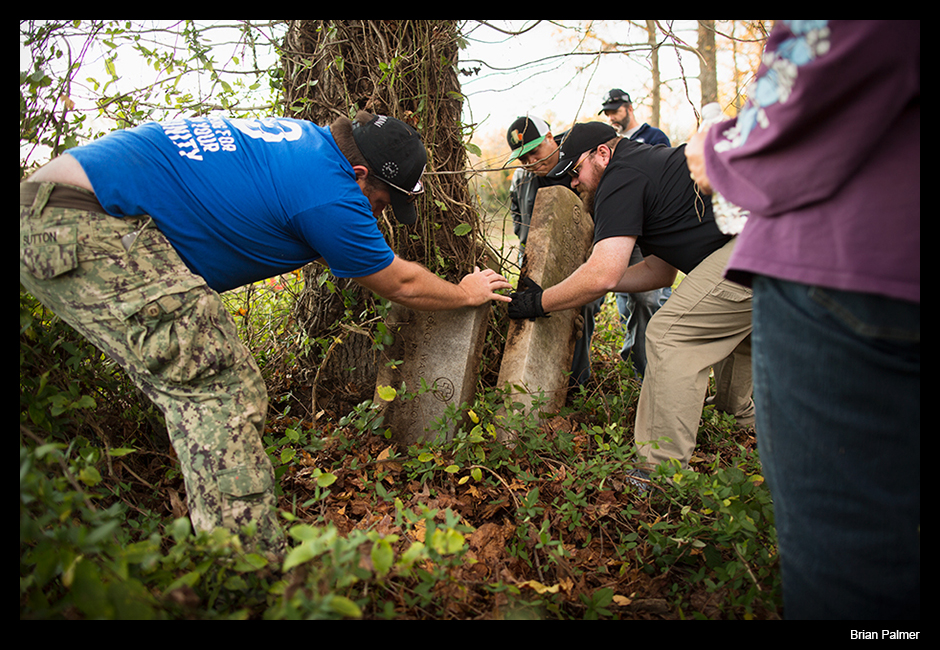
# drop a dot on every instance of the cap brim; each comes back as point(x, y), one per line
point(562, 168)
point(403, 209)
point(526, 148)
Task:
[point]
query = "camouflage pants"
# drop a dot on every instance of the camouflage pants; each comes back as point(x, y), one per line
point(173, 336)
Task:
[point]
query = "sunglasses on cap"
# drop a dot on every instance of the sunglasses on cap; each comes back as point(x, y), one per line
point(418, 189)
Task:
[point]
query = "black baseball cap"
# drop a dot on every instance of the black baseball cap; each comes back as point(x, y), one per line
point(582, 137)
point(397, 156)
point(614, 100)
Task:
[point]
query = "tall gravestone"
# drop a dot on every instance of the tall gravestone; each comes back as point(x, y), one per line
point(442, 348)
point(538, 353)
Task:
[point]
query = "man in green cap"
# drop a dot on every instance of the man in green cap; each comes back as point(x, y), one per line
point(532, 143)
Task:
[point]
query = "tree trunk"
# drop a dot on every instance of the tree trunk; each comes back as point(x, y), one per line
point(405, 69)
point(655, 94)
point(708, 75)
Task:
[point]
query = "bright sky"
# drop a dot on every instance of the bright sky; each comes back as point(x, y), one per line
point(527, 73)
point(566, 89)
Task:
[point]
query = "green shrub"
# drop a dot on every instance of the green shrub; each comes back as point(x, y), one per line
point(579, 540)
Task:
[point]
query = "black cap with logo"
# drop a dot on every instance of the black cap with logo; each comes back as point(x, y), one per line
point(614, 100)
point(397, 156)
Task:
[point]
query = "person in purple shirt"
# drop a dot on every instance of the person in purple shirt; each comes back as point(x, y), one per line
point(826, 157)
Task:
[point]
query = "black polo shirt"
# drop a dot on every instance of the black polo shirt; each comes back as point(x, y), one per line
point(646, 192)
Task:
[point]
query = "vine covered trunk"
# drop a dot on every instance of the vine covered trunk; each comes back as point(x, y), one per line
point(405, 69)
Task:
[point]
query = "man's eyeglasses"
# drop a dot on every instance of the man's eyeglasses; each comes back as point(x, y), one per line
point(573, 172)
point(411, 194)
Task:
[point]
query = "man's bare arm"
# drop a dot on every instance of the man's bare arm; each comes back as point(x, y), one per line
point(608, 269)
point(414, 286)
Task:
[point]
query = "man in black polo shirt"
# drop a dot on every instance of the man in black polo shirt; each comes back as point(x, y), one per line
point(643, 195)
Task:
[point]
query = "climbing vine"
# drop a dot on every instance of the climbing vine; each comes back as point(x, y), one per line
point(405, 69)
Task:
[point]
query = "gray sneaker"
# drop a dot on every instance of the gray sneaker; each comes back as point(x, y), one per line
point(638, 479)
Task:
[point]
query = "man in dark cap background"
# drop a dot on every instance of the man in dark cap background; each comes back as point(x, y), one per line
point(619, 111)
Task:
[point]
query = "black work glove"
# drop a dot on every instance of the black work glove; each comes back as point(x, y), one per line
point(528, 302)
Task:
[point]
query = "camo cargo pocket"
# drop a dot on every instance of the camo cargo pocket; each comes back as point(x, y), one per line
point(240, 482)
point(49, 245)
point(243, 493)
point(185, 336)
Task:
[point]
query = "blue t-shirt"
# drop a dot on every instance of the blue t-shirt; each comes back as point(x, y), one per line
point(240, 200)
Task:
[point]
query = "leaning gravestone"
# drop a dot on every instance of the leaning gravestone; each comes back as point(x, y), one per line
point(442, 348)
point(537, 356)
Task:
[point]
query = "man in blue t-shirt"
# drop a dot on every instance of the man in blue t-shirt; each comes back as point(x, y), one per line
point(131, 238)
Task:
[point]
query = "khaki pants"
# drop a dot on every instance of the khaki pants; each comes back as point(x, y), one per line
point(170, 332)
point(705, 323)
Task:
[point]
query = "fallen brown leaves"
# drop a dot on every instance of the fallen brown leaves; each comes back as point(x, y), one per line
point(501, 548)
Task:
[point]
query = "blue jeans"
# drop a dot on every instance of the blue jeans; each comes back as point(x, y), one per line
point(837, 389)
point(636, 310)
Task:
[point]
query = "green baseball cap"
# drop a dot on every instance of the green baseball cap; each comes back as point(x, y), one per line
point(525, 134)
